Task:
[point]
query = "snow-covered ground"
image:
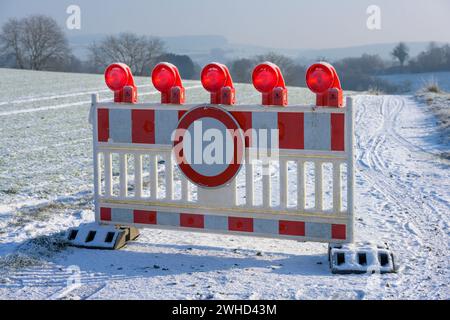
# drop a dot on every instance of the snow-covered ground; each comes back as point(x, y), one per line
point(402, 197)
point(416, 81)
point(439, 104)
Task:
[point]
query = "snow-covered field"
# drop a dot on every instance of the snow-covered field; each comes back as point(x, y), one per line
point(402, 197)
point(416, 81)
point(439, 104)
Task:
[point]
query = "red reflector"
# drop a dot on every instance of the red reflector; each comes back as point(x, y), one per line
point(105, 214)
point(319, 78)
point(146, 217)
point(213, 78)
point(116, 77)
point(338, 231)
point(240, 224)
point(291, 228)
point(163, 78)
point(264, 78)
point(192, 220)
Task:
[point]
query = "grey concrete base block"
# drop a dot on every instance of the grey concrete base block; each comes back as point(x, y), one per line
point(96, 236)
point(364, 257)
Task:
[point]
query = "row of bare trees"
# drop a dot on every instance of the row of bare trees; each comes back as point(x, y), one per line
point(357, 73)
point(140, 53)
point(135, 51)
point(38, 43)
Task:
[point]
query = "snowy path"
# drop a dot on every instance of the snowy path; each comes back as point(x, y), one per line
point(402, 197)
point(410, 187)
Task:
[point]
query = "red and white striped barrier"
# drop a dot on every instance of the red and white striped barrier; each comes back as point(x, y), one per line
point(139, 183)
point(299, 128)
point(264, 226)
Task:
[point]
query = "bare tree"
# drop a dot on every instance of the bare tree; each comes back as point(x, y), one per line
point(35, 42)
point(138, 52)
point(280, 60)
point(401, 52)
point(292, 72)
point(10, 41)
point(241, 70)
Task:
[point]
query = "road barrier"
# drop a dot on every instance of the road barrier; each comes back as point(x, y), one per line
point(139, 182)
point(270, 170)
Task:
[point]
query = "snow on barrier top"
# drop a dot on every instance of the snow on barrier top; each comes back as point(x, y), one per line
point(271, 170)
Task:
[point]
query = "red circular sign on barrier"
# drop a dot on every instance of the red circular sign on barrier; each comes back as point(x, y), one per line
point(208, 146)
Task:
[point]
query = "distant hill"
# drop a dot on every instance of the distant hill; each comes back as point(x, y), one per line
point(382, 49)
point(205, 48)
point(183, 44)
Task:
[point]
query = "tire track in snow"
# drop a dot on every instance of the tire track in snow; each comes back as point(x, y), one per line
point(417, 150)
point(375, 158)
point(73, 104)
point(366, 156)
point(59, 96)
point(46, 108)
point(416, 220)
point(399, 105)
point(390, 125)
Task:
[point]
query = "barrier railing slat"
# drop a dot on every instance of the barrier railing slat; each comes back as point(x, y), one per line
point(336, 187)
point(138, 175)
point(249, 185)
point(350, 162)
point(266, 187)
point(283, 183)
point(185, 189)
point(300, 185)
point(108, 174)
point(234, 193)
point(318, 190)
point(169, 176)
point(153, 177)
point(98, 173)
point(123, 175)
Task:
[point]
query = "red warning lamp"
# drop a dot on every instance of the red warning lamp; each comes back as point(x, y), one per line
point(216, 79)
point(118, 78)
point(268, 80)
point(167, 80)
point(322, 79)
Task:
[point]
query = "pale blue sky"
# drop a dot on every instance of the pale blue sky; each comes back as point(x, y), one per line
point(283, 24)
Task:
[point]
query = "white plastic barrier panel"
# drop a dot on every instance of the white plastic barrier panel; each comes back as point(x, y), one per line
point(303, 190)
